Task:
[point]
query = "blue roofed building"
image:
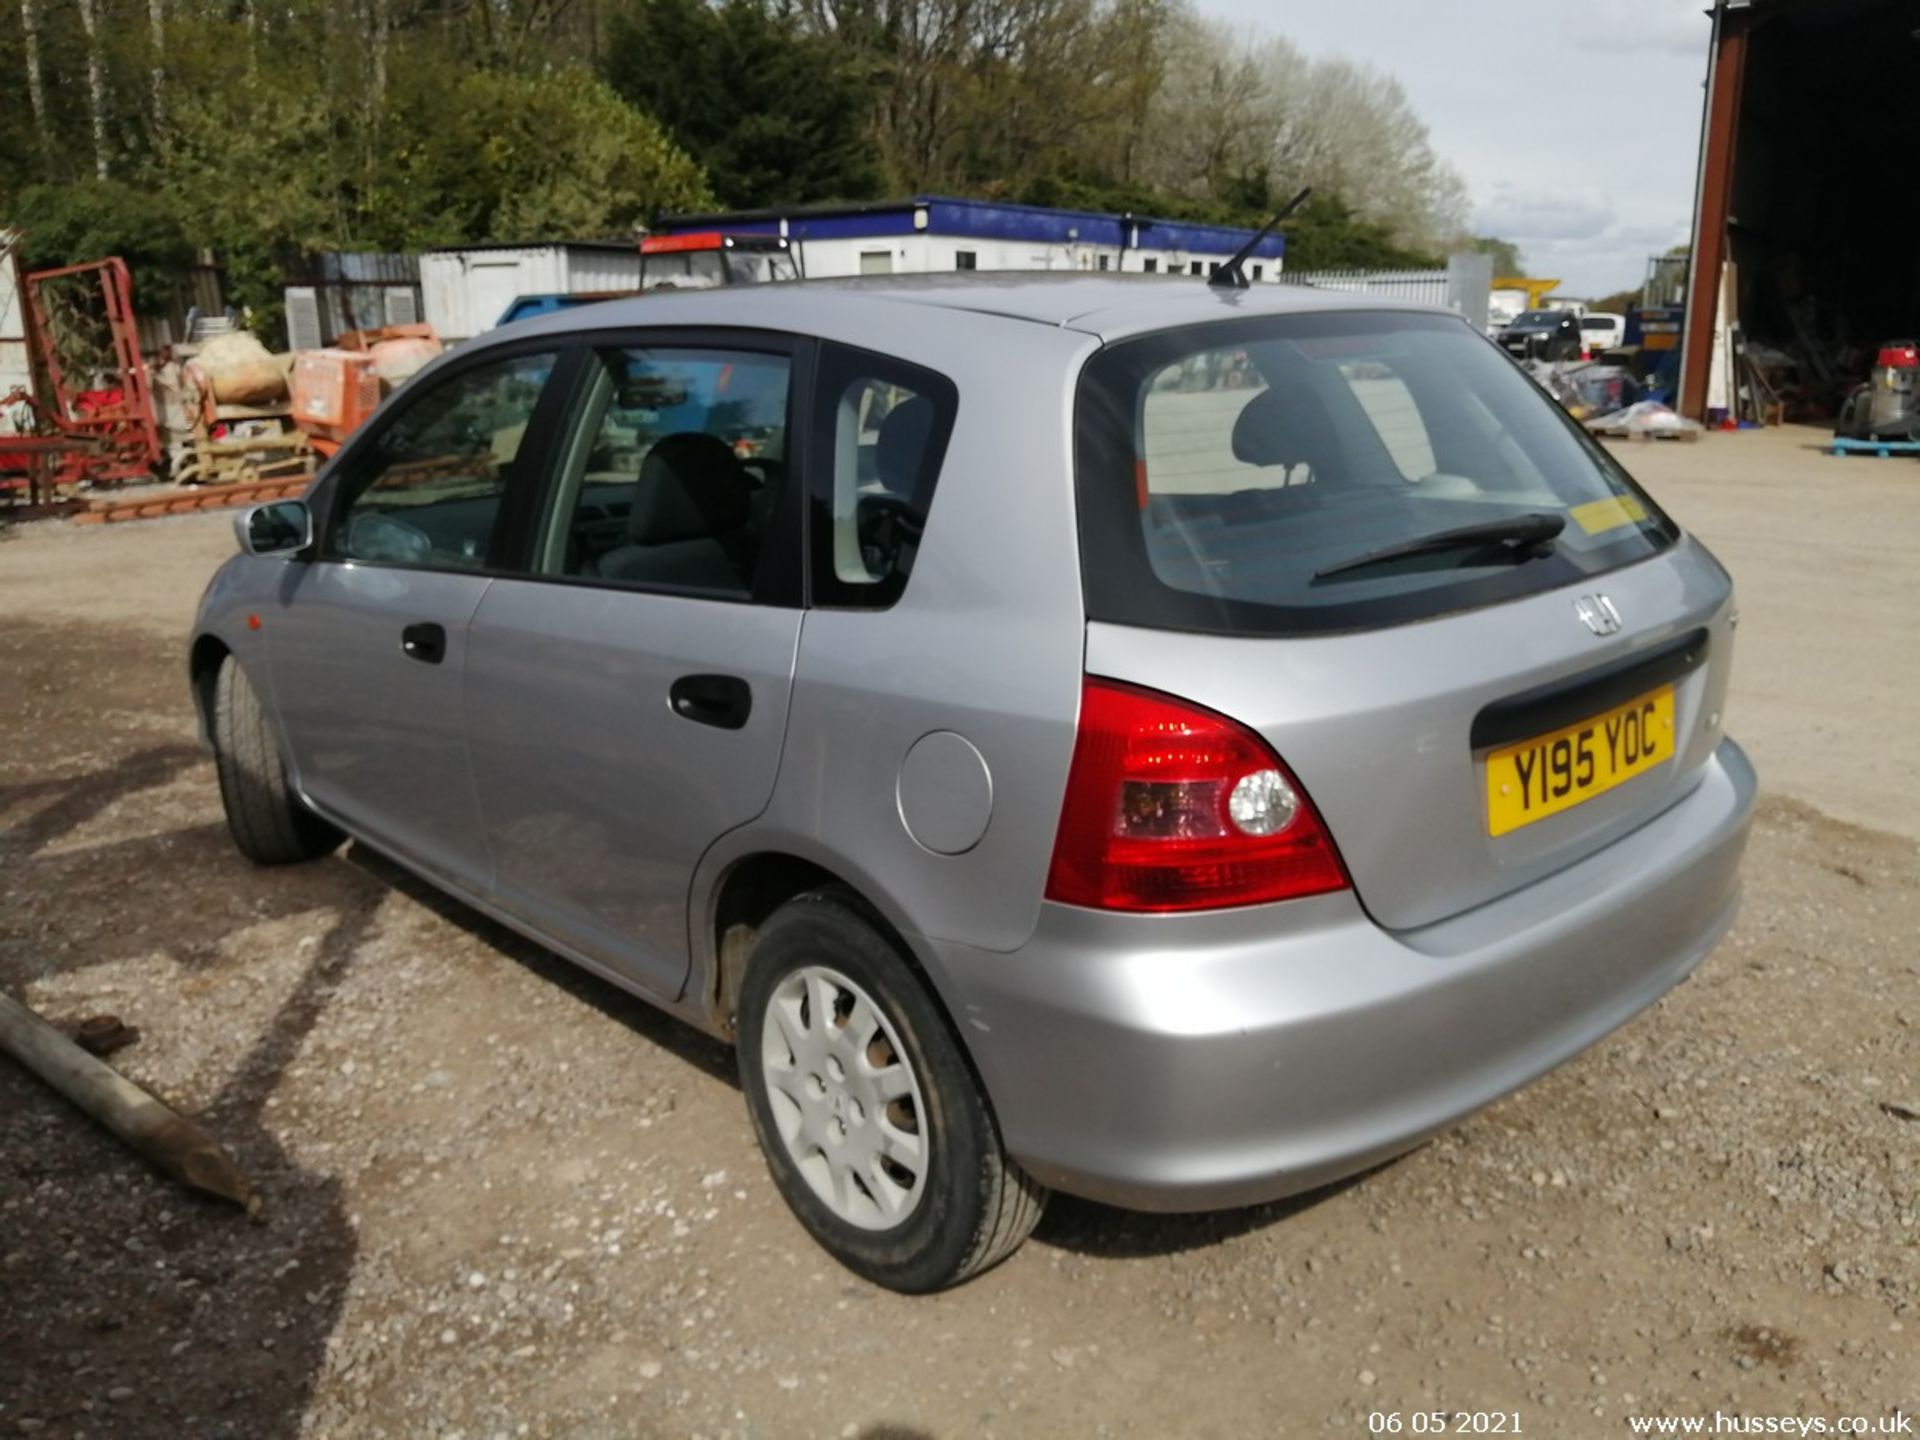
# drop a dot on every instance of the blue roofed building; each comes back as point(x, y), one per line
point(930, 234)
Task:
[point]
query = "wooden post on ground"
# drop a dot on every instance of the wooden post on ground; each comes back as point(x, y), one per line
point(173, 1143)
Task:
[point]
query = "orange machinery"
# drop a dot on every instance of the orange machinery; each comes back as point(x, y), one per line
point(336, 389)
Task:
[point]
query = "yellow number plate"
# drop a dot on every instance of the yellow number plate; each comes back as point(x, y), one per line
point(1555, 772)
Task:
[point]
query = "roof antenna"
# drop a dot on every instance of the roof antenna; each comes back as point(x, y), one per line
point(1232, 275)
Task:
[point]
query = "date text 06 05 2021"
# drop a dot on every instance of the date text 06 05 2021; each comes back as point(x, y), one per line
point(1554, 772)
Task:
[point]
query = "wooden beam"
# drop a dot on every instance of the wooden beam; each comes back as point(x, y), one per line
point(1726, 81)
point(170, 1141)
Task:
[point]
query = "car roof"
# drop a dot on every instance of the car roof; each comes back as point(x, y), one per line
point(1108, 306)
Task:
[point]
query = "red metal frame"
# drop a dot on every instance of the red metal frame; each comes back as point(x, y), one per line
point(125, 427)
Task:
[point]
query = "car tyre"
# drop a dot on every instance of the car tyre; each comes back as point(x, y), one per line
point(872, 1122)
point(270, 824)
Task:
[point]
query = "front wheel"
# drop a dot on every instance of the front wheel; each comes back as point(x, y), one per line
point(873, 1125)
point(270, 824)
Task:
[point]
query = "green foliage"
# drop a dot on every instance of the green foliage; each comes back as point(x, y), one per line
point(492, 155)
point(92, 219)
point(265, 129)
point(777, 115)
point(1506, 255)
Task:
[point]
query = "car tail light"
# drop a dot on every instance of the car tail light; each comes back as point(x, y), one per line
point(1171, 806)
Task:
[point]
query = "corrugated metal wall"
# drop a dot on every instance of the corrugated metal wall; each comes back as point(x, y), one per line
point(465, 292)
point(340, 290)
point(592, 272)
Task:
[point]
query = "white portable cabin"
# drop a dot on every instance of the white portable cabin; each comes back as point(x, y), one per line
point(15, 369)
point(466, 289)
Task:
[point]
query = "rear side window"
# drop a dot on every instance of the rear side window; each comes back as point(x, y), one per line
point(879, 436)
point(673, 476)
point(1231, 475)
point(427, 491)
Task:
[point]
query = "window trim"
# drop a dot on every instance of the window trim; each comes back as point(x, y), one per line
point(507, 540)
point(780, 580)
point(836, 359)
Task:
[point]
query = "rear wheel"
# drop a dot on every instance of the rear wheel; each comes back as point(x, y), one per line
point(873, 1125)
point(269, 823)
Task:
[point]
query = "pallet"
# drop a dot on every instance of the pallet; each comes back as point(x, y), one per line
point(1880, 448)
point(1646, 437)
point(182, 502)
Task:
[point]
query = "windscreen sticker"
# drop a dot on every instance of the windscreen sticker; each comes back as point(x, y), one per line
point(1599, 516)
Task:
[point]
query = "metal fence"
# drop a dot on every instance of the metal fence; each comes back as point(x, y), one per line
point(1416, 287)
point(1465, 284)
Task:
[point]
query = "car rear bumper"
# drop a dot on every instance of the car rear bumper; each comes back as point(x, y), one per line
point(1200, 1062)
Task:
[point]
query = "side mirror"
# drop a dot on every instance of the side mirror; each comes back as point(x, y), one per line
point(277, 528)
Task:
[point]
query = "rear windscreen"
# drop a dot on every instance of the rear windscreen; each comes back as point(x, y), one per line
point(1253, 476)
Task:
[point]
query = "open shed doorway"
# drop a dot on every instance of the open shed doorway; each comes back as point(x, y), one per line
point(1811, 189)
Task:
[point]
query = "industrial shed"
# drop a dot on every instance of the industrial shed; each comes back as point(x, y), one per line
point(1807, 223)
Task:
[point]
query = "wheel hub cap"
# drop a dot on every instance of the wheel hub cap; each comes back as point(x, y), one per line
point(845, 1103)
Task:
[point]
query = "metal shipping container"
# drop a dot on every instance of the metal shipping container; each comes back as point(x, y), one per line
point(467, 289)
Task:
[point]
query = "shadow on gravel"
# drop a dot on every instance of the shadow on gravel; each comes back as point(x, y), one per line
point(650, 1023)
point(1088, 1228)
point(130, 1306)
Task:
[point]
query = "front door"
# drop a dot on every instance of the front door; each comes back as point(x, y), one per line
point(368, 643)
point(627, 698)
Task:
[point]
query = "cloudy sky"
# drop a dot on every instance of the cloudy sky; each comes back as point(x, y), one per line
point(1575, 122)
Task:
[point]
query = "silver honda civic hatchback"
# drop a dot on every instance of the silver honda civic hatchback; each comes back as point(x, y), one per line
point(1174, 745)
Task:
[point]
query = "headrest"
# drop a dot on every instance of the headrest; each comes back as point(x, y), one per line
point(1285, 425)
point(690, 487)
point(900, 450)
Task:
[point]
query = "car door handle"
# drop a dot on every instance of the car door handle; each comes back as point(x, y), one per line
point(720, 700)
point(425, 642)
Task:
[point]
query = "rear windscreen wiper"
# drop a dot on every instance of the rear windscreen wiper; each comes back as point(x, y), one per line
point(1527, 534)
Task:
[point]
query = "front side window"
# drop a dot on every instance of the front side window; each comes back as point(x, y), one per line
point(672, 477)
point(879, 436)
point(749, 266)
point(1291, 474)
point(427, 489)
point(684, 270)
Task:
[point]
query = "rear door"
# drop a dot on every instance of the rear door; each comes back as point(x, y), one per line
point(1467, 718)
point(367, 642)
point(627, 692)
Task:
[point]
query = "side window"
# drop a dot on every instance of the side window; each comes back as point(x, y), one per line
point(879, 436)
point(674, 471)
point(427, 491)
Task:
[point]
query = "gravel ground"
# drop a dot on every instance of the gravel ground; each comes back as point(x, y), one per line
point(504, 1199)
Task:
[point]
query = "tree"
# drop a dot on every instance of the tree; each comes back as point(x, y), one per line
point(89, 219)
point(36, 85)
point(1506, 255)
point(776, 114)
point(96, 85)
point(498, 156)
